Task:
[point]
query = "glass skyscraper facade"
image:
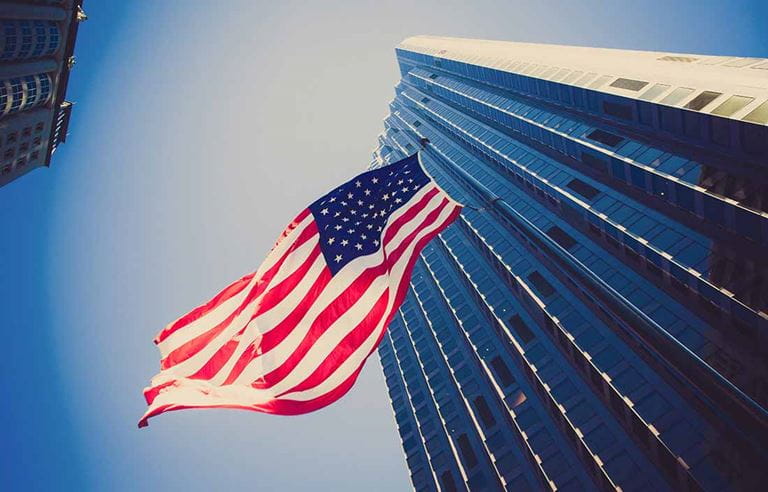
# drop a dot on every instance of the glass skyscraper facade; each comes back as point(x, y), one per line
point(596, 318)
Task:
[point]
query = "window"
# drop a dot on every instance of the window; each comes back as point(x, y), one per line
point(466, 451)
point(702, 100)
point(606, 138)
point(27, 131)
point(433, 76)
point(540, 283)
point(583, 188)
point(522, 330)
point(446, 481)
point(39, 127)
point(654, 92)
point(676, 96)
point(732, 105)
point(629, 84)
point(617, 110)
point(425, 100)
point(417, 123)
point(561, 237)
point(758, 115)
point(502, 371)
point(485, 412)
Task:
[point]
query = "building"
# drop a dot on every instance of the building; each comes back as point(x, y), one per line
point(37, 43)
point(597, 318)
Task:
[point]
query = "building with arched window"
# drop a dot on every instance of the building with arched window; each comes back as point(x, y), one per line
point(597, 317)
point(37, 39)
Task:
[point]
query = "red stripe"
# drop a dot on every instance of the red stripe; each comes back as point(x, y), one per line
point(235, 288)
point(282, 329)
point(191, 347)
point(348, 345)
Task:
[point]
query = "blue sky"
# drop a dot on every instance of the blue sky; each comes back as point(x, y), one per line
point(199, 131)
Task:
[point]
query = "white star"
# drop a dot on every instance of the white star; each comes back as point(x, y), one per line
point(405, 189)
point(358, 183)
point(338, 227)
point(383, 212)
point(337, 259)
point(358, 223)
point(359, 246)
point(375, 215)
point(367, 192)
point(350, 231)
point(363, 236)
point(370, 206)
point(353, 212)
point(345, 219)
point(344, 242)
point(360, 203)
point(407, 172)
point(375, 180)
point(378, 229)
point(331, 240)
point(398, 200)
point(414, 187)
point(324, 211)
point(344, 203)
point(350, 195)
point(410, 180)
point(365, 215)
point(376, 242)
point(369, 226)
point(385, 197)
point(337, 214)
point(400, 181)
point(333, 199)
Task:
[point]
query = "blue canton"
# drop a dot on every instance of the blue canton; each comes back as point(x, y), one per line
point(352, 217)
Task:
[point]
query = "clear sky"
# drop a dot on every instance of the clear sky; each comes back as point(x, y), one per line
point(200, 129)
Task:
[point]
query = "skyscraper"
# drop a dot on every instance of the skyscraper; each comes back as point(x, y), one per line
point(36, 54)
point(596, 319)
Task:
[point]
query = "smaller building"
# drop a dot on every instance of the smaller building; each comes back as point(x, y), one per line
point(37, 40)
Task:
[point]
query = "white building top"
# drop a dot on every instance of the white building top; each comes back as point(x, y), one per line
point(731, 87)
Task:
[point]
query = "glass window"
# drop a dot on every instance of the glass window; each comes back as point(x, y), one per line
point(629, 84)
point(540, 283)
point(606, 138)
point(676, 96)
point(466, 451)
point(561, 237)
point(654, 92)
point(702, 100)
point(485, 412)
point(522, 330)
point(582, 188)
point(758, 115)
point(502, 371)
point(732, 105)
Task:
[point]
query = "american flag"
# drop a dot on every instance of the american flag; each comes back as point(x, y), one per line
point(293, 336)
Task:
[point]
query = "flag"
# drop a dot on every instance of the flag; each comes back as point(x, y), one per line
point(292, 337)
